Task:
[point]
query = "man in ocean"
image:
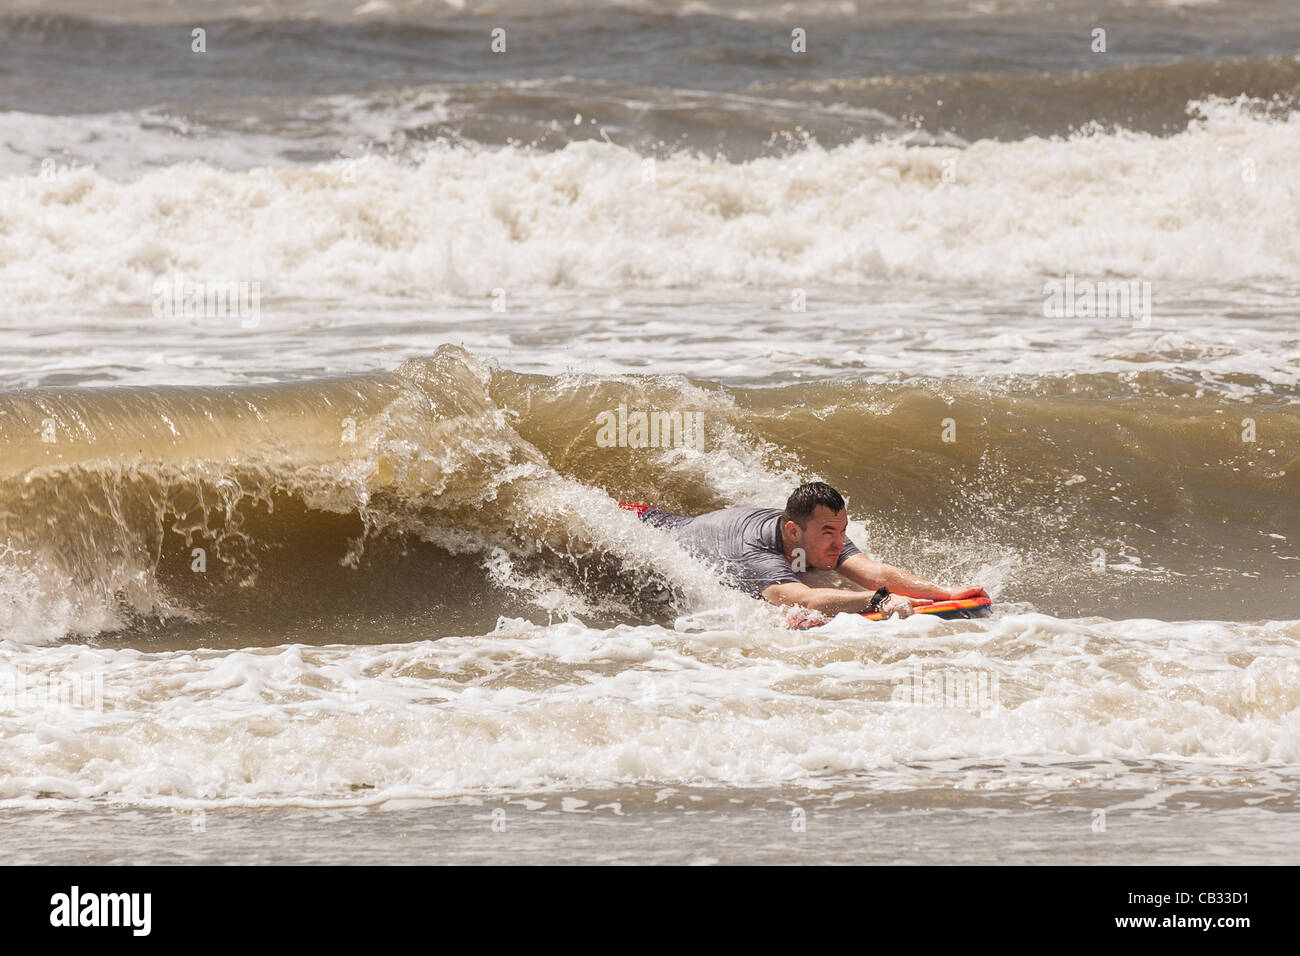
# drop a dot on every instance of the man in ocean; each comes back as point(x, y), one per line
point(761, 551)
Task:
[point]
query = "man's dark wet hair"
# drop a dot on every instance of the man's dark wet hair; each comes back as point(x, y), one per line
point(800, 505)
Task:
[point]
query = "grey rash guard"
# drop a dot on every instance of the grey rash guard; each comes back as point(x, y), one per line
point(746, 542)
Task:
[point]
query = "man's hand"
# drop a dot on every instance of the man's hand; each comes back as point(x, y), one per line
point(900, 605)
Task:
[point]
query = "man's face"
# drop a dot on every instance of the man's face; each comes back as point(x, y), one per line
point(822, 539)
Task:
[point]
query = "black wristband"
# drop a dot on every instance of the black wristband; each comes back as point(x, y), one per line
point(877, 599)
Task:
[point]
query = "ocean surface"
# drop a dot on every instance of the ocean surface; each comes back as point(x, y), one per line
point(309, 540)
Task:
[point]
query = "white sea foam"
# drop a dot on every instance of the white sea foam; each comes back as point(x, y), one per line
point(531, 707)
point(463, 221)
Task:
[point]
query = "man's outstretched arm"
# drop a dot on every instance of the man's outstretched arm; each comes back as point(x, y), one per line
point(833, 600)
point(870, 574)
